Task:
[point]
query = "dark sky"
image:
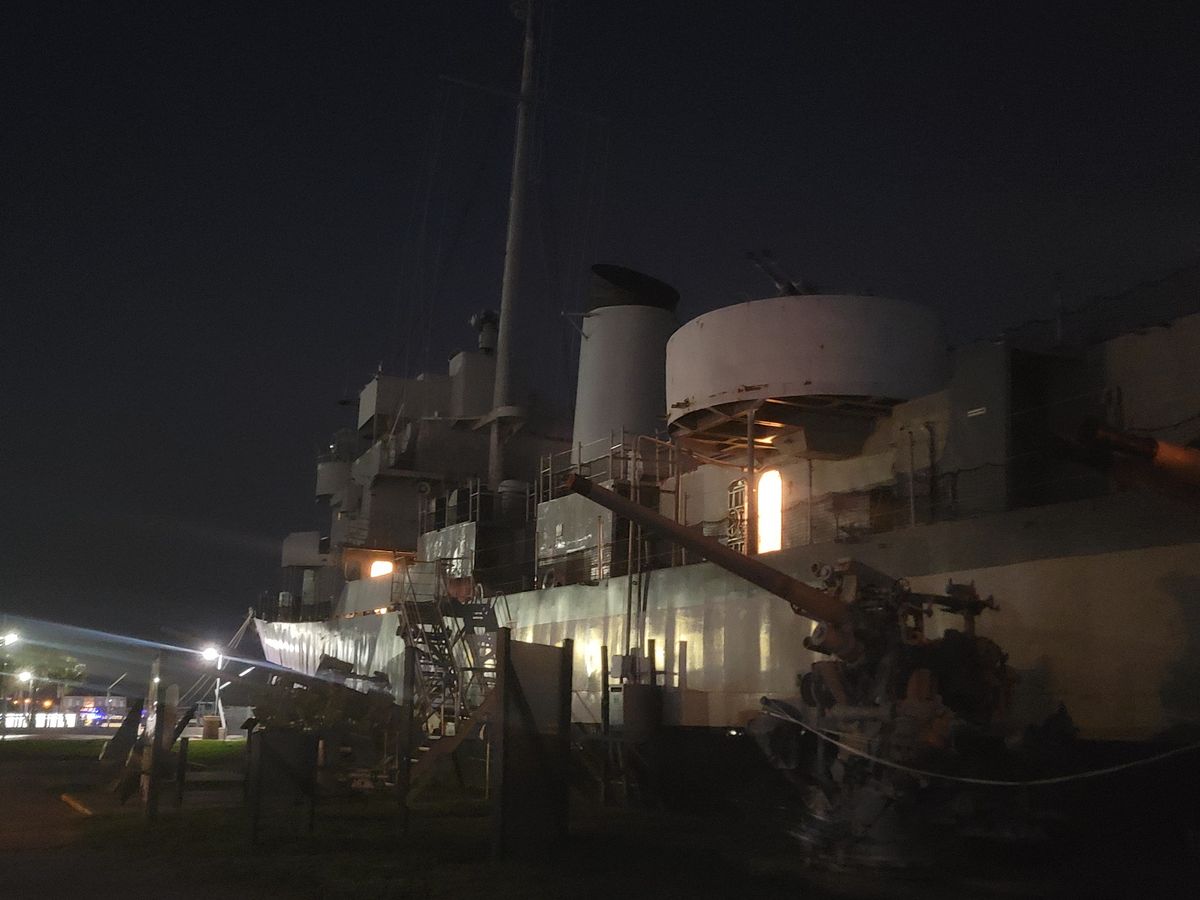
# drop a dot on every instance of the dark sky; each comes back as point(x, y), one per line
point(219, 219)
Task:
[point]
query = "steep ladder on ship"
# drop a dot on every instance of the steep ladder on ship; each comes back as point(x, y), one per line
point(453, 647)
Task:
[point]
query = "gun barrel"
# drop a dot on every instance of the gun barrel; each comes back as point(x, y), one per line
point(1182, 463)
point(804, 600)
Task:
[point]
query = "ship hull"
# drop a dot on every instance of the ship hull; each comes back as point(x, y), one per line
point(1099, 611)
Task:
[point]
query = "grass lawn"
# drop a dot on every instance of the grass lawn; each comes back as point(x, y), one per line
point(217, 754)
point(49, 749)
point(358, 850)
point(209, 754)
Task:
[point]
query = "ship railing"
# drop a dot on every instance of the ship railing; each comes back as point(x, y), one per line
point(272, 610)
point(473, 502)
point(605, 559)
point(622, 456)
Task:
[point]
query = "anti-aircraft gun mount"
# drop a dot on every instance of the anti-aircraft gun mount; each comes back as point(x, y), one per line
point(888, 690)
point(890, 657)
point(873, 625)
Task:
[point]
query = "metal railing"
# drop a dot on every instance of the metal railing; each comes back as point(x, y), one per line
point(470, 501)
point(619, 457)
point(269, 609)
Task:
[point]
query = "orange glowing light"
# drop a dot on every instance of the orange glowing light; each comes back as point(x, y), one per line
point(381, 567)
point(770, 511)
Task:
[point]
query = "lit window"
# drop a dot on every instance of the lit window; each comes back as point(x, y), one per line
point(381, 567)
point(770, 511)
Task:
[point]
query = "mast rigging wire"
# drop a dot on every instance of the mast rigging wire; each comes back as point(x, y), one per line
point(416, 295)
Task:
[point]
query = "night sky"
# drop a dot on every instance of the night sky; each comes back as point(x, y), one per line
point(218, 220)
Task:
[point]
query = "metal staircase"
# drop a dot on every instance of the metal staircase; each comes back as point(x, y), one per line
point(476, 642)
point(455, 664)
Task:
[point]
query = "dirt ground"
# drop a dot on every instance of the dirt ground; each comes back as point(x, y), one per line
point(88, 843)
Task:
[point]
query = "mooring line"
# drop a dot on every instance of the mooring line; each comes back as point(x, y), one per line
point(75, 805)
point(990, 782)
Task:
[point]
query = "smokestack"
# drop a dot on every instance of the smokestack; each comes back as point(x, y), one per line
point(622, 357)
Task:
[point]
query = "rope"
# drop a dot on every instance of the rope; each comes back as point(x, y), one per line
point(992, 782)
point(1168, 426)
point(416, 291)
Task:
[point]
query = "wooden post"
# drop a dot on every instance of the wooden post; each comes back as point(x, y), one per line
point(563, 744)
point(249, 761)
point(604, 723)
point(496, 739)
point(255, 780)
point(404, 741)
point(181, 770)
point(312, 800)
point(604, 701)
point(154, 760)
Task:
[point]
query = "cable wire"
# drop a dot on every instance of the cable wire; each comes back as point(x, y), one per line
point(989, 782)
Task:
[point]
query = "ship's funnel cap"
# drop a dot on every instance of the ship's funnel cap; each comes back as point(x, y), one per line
point(619, 286)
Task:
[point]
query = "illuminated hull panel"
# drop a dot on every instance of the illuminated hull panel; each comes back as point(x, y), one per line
point(1070, 580)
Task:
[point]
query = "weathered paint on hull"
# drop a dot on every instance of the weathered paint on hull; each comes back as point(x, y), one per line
point(369, 642)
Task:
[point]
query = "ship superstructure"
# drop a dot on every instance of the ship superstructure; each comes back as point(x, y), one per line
point(804, 429)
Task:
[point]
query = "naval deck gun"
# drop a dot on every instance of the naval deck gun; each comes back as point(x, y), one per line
point(1161, 463)
point(891, 691)
point(860, 613)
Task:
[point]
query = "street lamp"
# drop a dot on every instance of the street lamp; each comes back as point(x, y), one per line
point(108, 694)
point(11, 638)
point(212, 654)
point(26, 677)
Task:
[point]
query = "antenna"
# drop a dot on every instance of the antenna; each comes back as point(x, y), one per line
point(765, 262)
point(501, 396)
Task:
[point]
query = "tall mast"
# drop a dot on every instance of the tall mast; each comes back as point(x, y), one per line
point(501, 396)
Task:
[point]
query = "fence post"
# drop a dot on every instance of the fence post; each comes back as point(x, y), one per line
point(563, 744)
point(404, 741)
point(181, 770)
point(154, 751)
point(497, 736)
point(605, 717)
